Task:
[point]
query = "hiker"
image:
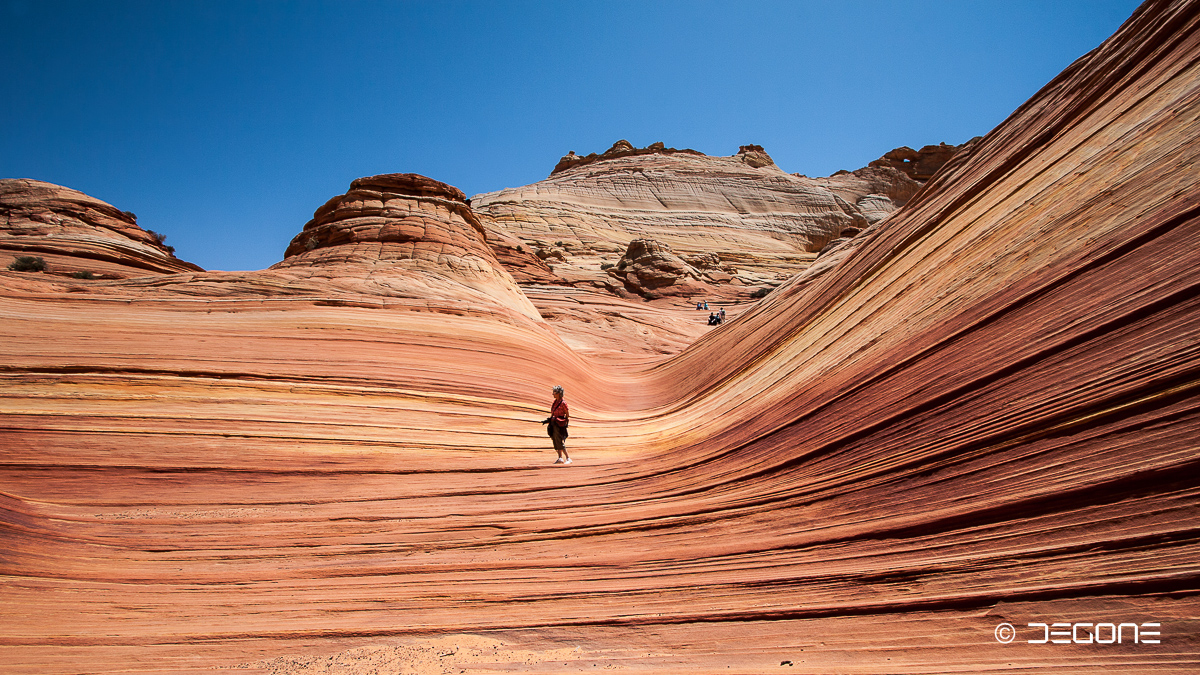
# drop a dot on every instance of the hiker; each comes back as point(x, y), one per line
point(557, 422)
point(722, 314)
point(712, 319)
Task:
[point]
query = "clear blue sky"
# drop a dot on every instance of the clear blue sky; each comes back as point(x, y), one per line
point(224, 125)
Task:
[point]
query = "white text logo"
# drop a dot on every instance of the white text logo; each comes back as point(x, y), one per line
point(1084, 633)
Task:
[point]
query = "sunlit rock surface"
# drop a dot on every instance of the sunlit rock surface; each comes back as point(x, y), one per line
point(730, 228)
point(403, 235)
point(981, 410)
point(651, 269)
point(76, 234)
point(755, 225)
point(920, 165)
point(764, 223)
point(875, 192)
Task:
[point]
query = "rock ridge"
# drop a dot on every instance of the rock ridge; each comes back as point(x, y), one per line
point(752, 155)
point(921, 165)
point(621, 148)
point(78, 234)
point(365, 213)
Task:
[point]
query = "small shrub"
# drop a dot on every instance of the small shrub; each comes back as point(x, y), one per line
point(606, 266)
point(28, 263)
point(130, 215)
point(158, 236)
point(760, 292)
point(171, 250)
point(520, 248)
point(83, 275)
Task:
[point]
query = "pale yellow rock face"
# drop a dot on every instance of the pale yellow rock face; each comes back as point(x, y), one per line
point(875, 192)
point(753, 224)
point(764, 222)
point(730, 228)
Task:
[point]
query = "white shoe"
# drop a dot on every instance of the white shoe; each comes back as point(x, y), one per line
point(568, 461)
point(558, 461)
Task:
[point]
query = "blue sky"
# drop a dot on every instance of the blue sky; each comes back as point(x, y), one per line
point(224, 125)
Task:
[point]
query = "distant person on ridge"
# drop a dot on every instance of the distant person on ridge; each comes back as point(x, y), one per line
point(560, 416)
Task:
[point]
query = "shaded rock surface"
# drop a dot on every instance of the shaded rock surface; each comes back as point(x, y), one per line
point(982, 412)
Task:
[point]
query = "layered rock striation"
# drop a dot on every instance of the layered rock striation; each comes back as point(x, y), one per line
point(762, 223)
point(875, 192)
point(652, 270)
point(397, 241)
point(980, 414)
point(920, 165)
point(74, 233)
point(406, 236)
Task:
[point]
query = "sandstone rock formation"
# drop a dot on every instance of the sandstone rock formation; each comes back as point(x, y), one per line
point(75, 233)
point(983, 413)
point(621, 148)
point(652, 270)
point(920, 165)
point(874, 191)
point(737, 227)
point(526, 264)
point(760, 221)
point(404, 235)
point(766, 225)
point(755, 156)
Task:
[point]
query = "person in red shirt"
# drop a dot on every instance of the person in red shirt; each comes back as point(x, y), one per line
point(560, 416)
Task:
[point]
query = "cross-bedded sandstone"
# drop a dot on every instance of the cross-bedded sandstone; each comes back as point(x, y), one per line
point(764, 224)
point(74, 233)
point(981, 410)
point(407, 233)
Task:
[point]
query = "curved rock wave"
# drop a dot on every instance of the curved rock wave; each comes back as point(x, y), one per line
point(981, 412)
